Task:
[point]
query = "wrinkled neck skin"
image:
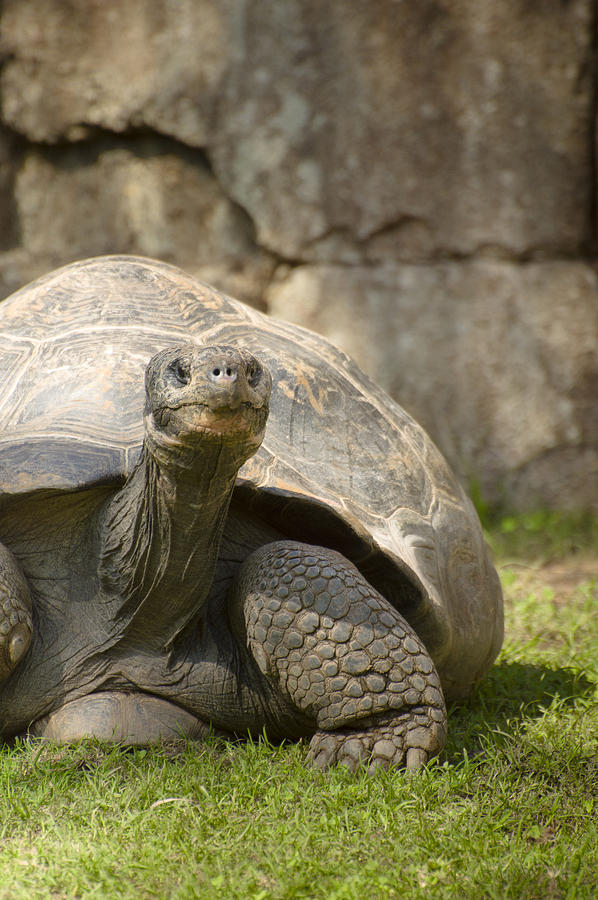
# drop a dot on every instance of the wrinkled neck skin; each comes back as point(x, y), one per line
point(161, 536)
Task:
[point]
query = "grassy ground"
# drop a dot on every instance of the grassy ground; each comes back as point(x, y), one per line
point(508, 811)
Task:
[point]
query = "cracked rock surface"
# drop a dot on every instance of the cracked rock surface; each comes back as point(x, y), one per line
point(411, 148)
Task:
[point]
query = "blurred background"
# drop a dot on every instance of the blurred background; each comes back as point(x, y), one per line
point(415, 180)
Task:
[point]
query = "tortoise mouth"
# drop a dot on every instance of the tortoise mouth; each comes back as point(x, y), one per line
point(245, 422)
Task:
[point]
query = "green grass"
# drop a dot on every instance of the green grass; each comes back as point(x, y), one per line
point(510, 810)
point(542, 535)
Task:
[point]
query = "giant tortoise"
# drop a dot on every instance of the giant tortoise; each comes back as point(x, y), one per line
point(163, 571)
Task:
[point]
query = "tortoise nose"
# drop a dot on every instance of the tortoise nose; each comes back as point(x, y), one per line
point(225, 373)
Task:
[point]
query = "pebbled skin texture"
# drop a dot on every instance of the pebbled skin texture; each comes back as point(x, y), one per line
point(341, 654)
point(16, 627)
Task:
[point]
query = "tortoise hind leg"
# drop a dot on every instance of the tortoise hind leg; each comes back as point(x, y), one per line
point(16, 627)
point(340, 653)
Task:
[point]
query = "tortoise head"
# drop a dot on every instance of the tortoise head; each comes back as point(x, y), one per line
point(201, 396)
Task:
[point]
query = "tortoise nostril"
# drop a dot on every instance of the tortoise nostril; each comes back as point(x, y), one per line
point(224, 373)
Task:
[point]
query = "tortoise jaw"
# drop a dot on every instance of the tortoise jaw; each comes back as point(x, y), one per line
point(194, 428)
point(201, 418)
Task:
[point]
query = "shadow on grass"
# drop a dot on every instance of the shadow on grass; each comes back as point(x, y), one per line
point(512, 693)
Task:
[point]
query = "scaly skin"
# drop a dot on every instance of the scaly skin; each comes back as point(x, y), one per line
point(16, 627)
point(341, 654)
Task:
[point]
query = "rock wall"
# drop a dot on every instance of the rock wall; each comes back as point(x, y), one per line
point(415, 180)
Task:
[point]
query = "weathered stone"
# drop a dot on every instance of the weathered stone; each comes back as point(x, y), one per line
point(393, 130)
point(497, 360)
point(88, 63)
point(148, 196)
point(362, 133)
point(9, 161)
point(17, 267)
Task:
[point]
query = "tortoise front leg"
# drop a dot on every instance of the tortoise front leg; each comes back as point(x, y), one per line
point(340, 653)
point(16, 627)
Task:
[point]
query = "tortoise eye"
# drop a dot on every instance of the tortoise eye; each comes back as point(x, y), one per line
point(180, 370)
point(253, 373)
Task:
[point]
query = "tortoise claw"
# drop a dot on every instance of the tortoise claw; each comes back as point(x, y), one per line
point(16, 626)
point(415, 759)
point(14, 644)
point(383, 745)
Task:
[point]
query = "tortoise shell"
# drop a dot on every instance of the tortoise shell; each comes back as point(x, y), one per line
point(341, 464)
